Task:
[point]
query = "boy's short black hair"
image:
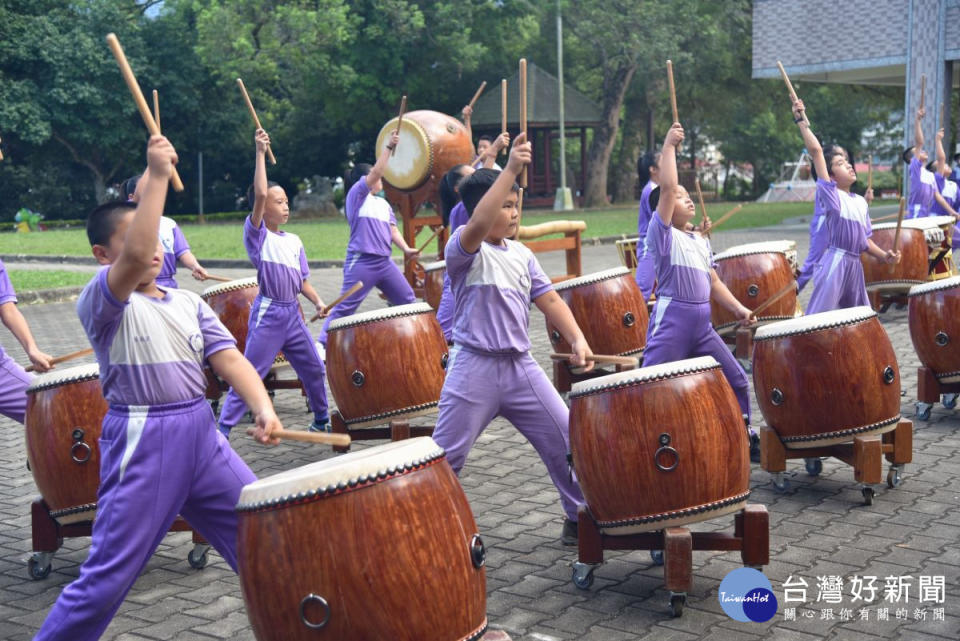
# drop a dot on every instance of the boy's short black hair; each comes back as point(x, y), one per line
point(129, 186)
point(654, 198)
point(251, 195)
point(907, 154)
point(357, 172)
point(476, 185)
point(449, 194)
point(486, 138)
point(830, 151)
point(932, 166)
point(102, 221)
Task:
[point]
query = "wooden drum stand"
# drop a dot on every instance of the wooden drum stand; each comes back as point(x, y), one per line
point(929, 391)
point(397, 430)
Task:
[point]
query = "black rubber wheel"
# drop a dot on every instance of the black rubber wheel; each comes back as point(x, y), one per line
point(924, 413)
point(677, 601)
point(814, 466)
point(38, 572)
point(197, 561)
point(868, 495)
point(583, 579)
point(893, 477)
point(656, 556)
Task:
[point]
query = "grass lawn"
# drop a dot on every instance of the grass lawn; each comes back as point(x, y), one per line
point(29, 279)
point(327, 239)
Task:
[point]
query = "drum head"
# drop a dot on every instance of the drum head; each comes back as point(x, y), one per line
point(220, 288)
point(764, 247)
point(934, 286)
point(59, 377)
point(410, 164)
point(814, 322)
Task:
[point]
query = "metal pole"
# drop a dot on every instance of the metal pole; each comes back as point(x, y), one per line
point(564, 199)
point(200, 185)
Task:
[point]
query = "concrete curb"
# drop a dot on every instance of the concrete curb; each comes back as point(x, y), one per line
point(55, 295)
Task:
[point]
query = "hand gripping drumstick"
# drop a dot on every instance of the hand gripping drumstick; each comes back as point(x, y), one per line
point(703, 207)
point(673, 91)
point(600, 358)
point(320, 438)
point(66, 357)
point(473, 101)
point(403, 110)
point(896, 236)
point(790, 287)
point(793, 94)
point(523, 113)
point(138, 98)
point(256, 120)
point(350, 292)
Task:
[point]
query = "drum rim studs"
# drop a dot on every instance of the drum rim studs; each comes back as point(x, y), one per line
point(358, 378)
point(776, 396)
point(629, 319)
point(303, 614)
point(478, 551)
point(664, 440)
point(889, 374)
point(941, 338)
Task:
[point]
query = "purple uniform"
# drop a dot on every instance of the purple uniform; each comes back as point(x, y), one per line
point(646, 269)
point(819, 238)
point(371, 221)
point(174, 246)
point(680, 325)
point(494, 288)
point(14, 380)
point(276, 323)
point(458, 218)
point(948, 189)
point(922, 185)
point(158, 458)
point(838, 278)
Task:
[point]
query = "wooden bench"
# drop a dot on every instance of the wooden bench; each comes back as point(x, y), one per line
point(569, 243)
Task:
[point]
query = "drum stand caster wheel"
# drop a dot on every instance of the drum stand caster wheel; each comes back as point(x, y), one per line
point(583, 574)
point(39, 565)
point(868, 495)
point(814, 466)
point(780, 482)
point(656, 556)
point(949, 401)
point(677, 601)
point(197, 557)
point(923, 411)
point(894, 475)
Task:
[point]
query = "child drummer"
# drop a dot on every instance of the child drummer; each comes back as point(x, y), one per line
point(491, 372)
point(686, 281)
point(160, 454)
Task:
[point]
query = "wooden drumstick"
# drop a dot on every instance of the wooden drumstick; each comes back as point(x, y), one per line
point(792, 286)
point(219, 279)
point(523, 113)
point(503, 106)
point(156, 108)
point(403, 109)
point(519, 212)
point(896, 236)
point(256, 120)
point(793, 94)
point(345, 295)
point(726, 216)
point(66, 357)
point(923, 89)
point(320, 438)
point(673, 91)
point(703, 207)
point(473, 101)
point(883, 218)
point(942, 126)
point(138, 98)
point(600, 358)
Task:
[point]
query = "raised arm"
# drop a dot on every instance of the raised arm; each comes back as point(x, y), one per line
point(143, 235)
point(501, 142)
point(260, 184)
point(918, 131)
point(668, 174)
point(941, 154)
point(810, 141)
point(489, 208)
point(467, 113)
point(376, 173)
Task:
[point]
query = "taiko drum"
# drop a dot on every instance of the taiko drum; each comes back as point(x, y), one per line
point(232, 302)
point(375, 545)
point(386, 364)
point(65, 410)
point(826, 378)
point(935, 327)
point(659, 446)
point(912, 268)
point(755, 273)
point(433, 282)
point(431, 143)
point(609, 309)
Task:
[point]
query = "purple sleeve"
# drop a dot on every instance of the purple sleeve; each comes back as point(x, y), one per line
point(253, 238)
point(458, 217)
point(827, 197)
point(99, 311)
point(304, 267)
point(180, 245)
point(869, 224)
point(540, 283)
point(393, 217)
point(7, 294)
point(713, 263)
point(659, 236)
point(915, 169)
point(216, 337)
point(355, 197)
point(458, 259)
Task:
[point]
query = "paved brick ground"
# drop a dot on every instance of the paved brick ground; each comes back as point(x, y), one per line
point(819, 527)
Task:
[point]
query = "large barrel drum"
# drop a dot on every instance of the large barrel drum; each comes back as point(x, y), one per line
point(373, 545)
point(386, 364)
point(609, 309)
point(65, 410)
point(827, 378)
point(659, 446)
point(755, 273)
point(231, 302)
point(431, 143)
point(935, 327)
point(912, 268)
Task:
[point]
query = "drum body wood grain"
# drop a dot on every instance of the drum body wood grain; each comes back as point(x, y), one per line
point(373, 545)
point(754, 273)
point(231, 302)
point(386, 364)
point(65, 410)
point(910, 271)
point(935, 327)
point(659, 446)
point(431, 143)
point(826, 378)
point(609, 309)
point(433, 282)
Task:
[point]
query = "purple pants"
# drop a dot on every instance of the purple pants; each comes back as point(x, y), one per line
point(679, 330)
point(819, 237)
point(155, 463)
point(646, 270)
point(374, 271)
point(14, 381)
point(275, 327)
point(445, 310)
point(480, 387)
point(838, 282)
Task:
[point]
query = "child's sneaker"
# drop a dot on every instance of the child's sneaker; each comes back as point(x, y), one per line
point(320, 426)
point(569, 534)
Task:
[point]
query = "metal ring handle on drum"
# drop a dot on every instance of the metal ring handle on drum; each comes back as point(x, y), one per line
point(358, 378)
point(889, 374)
point(629, 320)
point(77, 436)
point(941, 339)
point(753, 290)
point(554, 336)
point(303, 614)
point(665, 448)
point(776, 396)
point(444, 360)
point(478, 551)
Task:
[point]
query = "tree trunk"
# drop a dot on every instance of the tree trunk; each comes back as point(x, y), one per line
point(615, 85)
point(631, 146)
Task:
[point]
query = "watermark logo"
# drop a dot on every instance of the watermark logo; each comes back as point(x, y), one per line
point(747, 595)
